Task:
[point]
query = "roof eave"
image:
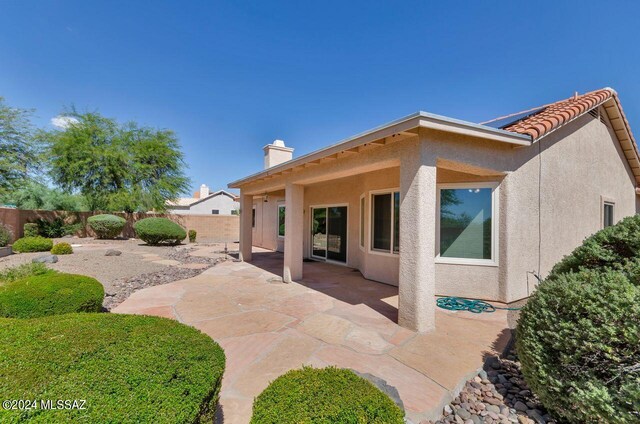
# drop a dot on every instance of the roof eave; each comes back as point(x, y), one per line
point(415, 120)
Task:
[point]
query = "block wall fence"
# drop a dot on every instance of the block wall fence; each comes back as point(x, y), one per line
point(210, 228)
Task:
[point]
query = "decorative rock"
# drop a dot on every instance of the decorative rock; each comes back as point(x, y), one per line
point(447, 410)
point(45, 259)
point(519, 406)
point(463, 413)
point(113, 252)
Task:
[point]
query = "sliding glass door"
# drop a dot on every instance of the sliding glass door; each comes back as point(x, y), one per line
point(329, 233)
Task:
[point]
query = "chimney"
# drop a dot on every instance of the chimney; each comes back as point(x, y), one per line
point(276, 153)
point(204, 191)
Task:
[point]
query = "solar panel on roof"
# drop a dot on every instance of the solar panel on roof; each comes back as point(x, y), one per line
point(510, 120)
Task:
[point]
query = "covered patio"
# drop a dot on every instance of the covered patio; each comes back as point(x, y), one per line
point(332, 316)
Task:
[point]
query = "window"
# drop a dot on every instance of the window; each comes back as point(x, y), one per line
point(281, 212)
point(467, 223)
point(362, 221)
point(385, 222)
point(607, 214)
point(253, 217)
point(215, 212)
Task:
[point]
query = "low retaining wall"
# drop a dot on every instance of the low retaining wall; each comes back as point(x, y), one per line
point(210, 228)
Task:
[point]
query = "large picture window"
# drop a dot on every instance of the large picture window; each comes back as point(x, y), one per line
point(467, 223)
point(385, 222)
point(281, 212)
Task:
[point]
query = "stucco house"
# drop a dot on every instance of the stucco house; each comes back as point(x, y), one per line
point(440, 206)
point(205, 202)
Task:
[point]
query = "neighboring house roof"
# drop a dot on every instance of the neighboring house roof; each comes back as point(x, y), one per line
point(522, 128)
point(190, 201)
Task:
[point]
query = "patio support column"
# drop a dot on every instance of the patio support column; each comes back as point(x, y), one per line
point(293, 227)
point(416, 291)
point(246, 226)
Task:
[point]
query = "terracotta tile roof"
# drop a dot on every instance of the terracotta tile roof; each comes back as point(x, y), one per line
point(547, 118)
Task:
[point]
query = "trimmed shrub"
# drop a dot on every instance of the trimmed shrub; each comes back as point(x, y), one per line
point(106, 226)
point(192, 236)
point(56, 228)
point(155, 231)
point(327, 395)
point(32, 244)
point(25, 270)
point(128, 368)
point(30, 229)
point(61, 249)
point(50, 293)
point(578, 339)
point(5, 235)
point(610, 247)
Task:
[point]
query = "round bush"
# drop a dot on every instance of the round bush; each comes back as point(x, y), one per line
point(50, 293)
point(128, 368)
point(61, 249)
point(578, 339)
point(32, 244)
point(155, 231)
point(5, 236)
point(106, 226)
point(326, 395)
point(610, 247)
point(31, 229)
point(192, 236)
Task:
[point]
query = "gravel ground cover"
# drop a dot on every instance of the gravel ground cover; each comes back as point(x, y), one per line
point(138, 265)
point(498, 395)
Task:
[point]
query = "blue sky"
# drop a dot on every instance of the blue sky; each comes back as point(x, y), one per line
point(229, 77)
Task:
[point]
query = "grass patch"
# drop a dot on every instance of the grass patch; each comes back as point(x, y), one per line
point(128, 368)
point(324, 396)
point(49, 293)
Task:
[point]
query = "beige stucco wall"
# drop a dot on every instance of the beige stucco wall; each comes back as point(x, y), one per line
point(548, 202)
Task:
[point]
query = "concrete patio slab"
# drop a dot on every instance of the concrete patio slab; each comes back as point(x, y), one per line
point(333, 316)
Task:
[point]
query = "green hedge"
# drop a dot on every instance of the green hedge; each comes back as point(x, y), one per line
point(106, 226)
point(30, 229)
point(5, 236)
point(610, 247)
point(61, 249)
point(128, 368)
point(32, 244)
point(578, 339)
point(50, 293)
point(327, 395)
point(155, 231)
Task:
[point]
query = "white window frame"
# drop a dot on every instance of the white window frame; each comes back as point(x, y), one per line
point(603, 202)
point(280, 205)
point(321, 206)
point(495, 224)
point(370, 240)
point(362, 239)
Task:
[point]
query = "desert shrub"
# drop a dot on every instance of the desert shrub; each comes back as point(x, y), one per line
point(62, 249)
point(50, 293)
point(106, 226)
point(56, 228)
point(30, 229)
point(192, 236)
point(578, 339)
point(128, 368)
point(610, 247)
point(25, 270)
point(327, 395)
point(155, 231)
point(5, 236)
point(32, 244)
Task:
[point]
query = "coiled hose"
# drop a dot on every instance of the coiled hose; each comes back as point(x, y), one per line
point(472, 305)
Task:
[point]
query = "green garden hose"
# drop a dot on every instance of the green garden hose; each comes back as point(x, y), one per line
point(472, 305)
